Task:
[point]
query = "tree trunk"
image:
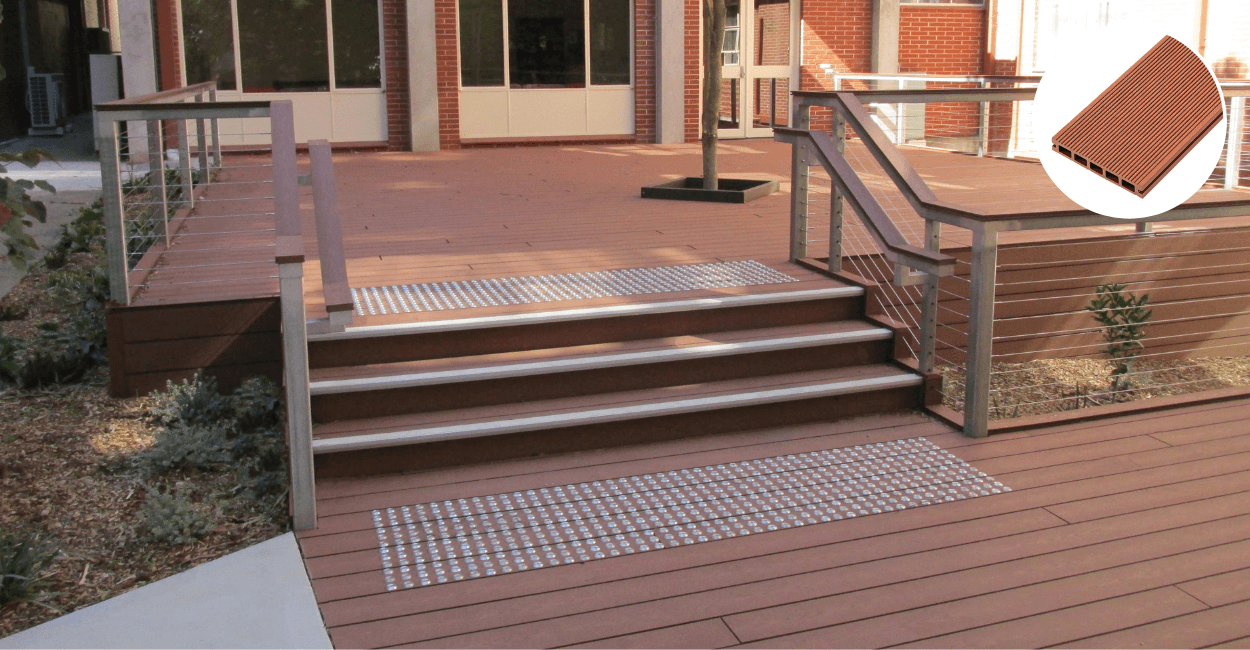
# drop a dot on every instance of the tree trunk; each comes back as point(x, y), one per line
point(713, 41)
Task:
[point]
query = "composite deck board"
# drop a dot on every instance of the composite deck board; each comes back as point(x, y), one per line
point(1150, 518)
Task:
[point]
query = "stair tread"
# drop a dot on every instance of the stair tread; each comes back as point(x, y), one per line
point(583, 404)
point(363, 377)
point(774, 294)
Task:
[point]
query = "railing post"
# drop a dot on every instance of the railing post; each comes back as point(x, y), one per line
point(212, 97)
point(201, 143)
point(338, 296)
point(983, 144)
point(156, 135)
point(929, 302)
point(980, 331)
point(835, 198)
point(1236, 141)
point(290, 261)
point(798, 188)
point(184, 165)
point(114, 216)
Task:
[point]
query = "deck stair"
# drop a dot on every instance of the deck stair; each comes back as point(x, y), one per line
point(414, 396)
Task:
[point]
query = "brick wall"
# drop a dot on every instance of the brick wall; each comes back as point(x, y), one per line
point(644, 70)
point(837, 32)
point(395, 54)
point(944, 39)
point(167, 44)
point(448, 72)
point(694, 63)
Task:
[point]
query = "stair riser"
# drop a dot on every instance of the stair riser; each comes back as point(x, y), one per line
point(519, 445)
point(441, 345)
point(425, 399)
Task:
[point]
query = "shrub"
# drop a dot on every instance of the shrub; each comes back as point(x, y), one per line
point(173, 518)
point(184, 446)
point(257, 403)
point(195, 400)
point(50, 363)
point(10, 366)
point(1123, 327)
point(85, 231)
point(22, 558)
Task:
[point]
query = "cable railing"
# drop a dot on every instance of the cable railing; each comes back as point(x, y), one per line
point(1009, 331)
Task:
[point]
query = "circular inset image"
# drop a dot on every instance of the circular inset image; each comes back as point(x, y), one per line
point(1129, 125)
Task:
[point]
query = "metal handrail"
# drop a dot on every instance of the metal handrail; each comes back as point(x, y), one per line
point(838, 77)
point(883, 230)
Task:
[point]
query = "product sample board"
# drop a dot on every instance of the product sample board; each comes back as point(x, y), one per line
point(1145, 122)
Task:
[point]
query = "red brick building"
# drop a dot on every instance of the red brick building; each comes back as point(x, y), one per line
point(428, 74)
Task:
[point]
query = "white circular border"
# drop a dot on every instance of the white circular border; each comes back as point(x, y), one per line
point(1071, 82)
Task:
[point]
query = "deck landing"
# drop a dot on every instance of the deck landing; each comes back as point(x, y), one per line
point(1116, 533)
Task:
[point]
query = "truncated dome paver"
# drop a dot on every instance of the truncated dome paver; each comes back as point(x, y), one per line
point(467, 294)
point(1145, 122)
point(443, 541)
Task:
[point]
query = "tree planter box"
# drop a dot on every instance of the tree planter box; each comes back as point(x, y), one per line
point(732, 190)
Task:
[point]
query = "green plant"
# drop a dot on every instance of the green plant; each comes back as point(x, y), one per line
point(1123, 322)
point(56, 258)
point(10, 365)
point(17, 208)
point(184, 446)
point(51, 363)
point(85, 231)
point(22, 557)
point(173, 517)
point(195, 400)
point(257, 403)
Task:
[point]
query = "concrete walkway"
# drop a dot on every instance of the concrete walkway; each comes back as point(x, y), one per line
point(259, 597)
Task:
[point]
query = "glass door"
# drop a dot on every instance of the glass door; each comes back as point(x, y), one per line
point(755, 72)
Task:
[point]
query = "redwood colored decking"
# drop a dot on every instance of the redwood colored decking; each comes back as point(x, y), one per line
point(473, 214)
point(1119, 533)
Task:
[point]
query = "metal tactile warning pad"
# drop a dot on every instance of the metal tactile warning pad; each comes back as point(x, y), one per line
point(466, 294)
point(443, 541)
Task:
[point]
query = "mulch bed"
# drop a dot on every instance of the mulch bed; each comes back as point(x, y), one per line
point(62, 473)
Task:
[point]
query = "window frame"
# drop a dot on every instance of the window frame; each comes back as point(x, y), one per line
point(238, 58)
point(507, 63)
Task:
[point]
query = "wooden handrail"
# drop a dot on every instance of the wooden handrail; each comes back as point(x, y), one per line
point(172, 94)
point(338, 296)
point(874, 216)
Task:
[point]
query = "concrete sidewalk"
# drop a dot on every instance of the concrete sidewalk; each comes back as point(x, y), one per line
point(259, 597)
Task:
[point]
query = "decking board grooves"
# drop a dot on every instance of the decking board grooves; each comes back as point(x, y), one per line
point(438, 542)
point(497, 292)
point(1146, 121)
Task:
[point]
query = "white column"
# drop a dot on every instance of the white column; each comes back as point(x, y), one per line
point(670, 77)
point(422, 75)
point(138, 39)
point(885, 25)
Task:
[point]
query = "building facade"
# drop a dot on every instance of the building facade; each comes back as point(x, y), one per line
point(444, 74)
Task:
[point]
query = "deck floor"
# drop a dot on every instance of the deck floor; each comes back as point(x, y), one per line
point(1132, 532)
point(498, 213)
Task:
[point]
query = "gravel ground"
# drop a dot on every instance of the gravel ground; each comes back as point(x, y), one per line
point(1053, 385)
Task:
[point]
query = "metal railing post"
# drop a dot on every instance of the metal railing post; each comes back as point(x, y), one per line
point(290, 261)
point(114, 216)
point(212, 97)
point(798, 188)
point(156, 174)
point(201, 143)
point(980, 331)
point(983, 144)
point(835, 199)
point(929, 302)
point(184, 165)
point(1236, 141)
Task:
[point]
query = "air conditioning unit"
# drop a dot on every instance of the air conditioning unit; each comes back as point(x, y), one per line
point(45, 99)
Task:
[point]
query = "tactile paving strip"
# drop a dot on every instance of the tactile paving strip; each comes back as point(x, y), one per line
point(467, 294)
point(432, 543)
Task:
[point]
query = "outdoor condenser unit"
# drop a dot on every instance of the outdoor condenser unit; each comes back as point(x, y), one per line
point(45, 99)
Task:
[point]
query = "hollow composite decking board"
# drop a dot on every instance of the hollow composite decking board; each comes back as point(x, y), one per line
point(1195, 521)
point(1145, 122)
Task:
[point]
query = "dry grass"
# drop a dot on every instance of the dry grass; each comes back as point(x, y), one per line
point(1052, 385)
point(63, 474)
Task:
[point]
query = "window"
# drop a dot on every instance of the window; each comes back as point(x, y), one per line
point(282, 45)
point(357, 60)
point(481, 43)
point(208, 42)
point(547, 43)
point(943, 2)
point(731, 49)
